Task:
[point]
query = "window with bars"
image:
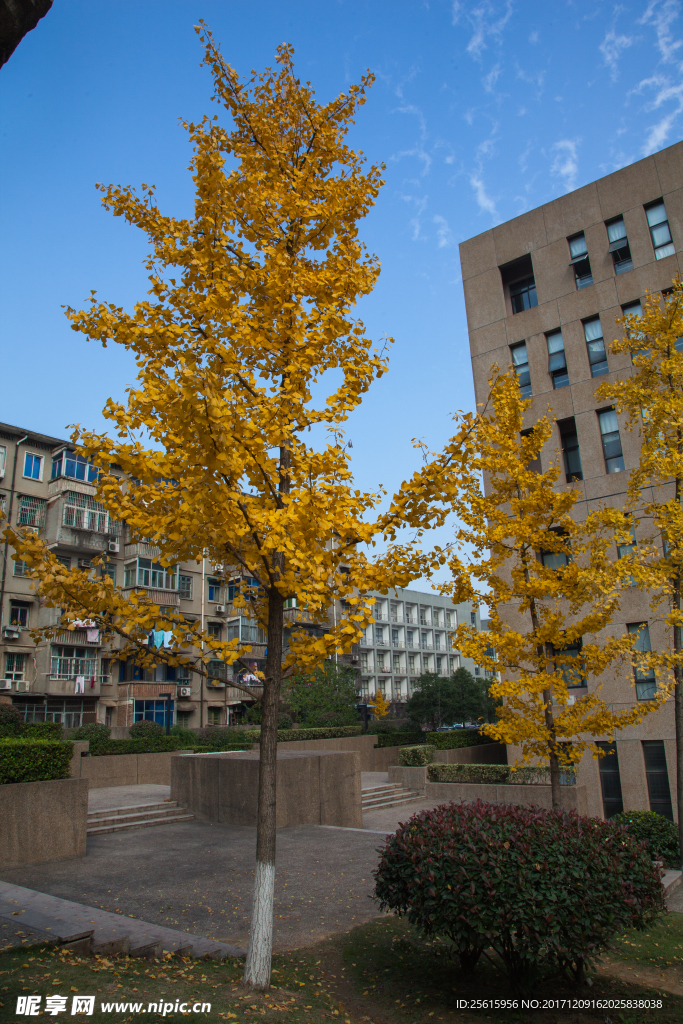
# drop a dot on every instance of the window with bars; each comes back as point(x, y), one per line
point(610, 779)
point(618, 245)
point(15, 666)
point(557, 360)
point(214, 629)
point(646, 682)
point(595, 345)
point(19, 614)
point(67, 662)
point(31, 511)
point(658, 223)
point(611, 441)
point(520, 363)
point(570, 449)
point(579, 261)
point(81, 512)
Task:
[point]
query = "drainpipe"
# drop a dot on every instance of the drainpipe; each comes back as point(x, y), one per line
point(9, 523)
point(201, 702)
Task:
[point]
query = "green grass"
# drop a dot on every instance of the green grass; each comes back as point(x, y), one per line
point(381, 971)
point(658, 946)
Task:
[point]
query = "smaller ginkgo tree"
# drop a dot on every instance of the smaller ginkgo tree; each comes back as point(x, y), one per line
point(549, 576)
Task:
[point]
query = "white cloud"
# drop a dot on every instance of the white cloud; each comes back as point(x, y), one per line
point(565, 165)
point(662, 14)
point(492, 77)
point(443, 232)
point(611, 49)
point(484, 200)
point(533, 38)
point(418, 151)
point(666, 92)
point(487, 19)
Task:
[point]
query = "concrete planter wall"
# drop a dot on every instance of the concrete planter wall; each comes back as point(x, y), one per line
point(42, 821)
point(480, 753)
point(574, 798)
point(314, 787)
point(412, 778)
point(364, 745)
point(122, 769)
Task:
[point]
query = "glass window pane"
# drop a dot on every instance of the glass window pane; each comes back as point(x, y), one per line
point(555, 342)
point(608, 422)
point(616, 230)
point(656, 214)
point(592, 329)
point(665, 250)
point(519, 355)
point(577, 246)
point(661, 234)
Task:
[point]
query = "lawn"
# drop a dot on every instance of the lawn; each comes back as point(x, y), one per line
point(379, 972)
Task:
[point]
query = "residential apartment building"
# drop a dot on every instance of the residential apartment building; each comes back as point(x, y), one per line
point(76, 677)
point(412, 633)
point(542, 294)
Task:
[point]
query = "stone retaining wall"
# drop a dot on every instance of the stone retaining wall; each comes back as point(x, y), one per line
point(574, 798)
point(122, 769)
point(42, 821)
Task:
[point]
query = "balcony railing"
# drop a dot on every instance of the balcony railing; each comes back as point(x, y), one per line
point(398, 643)
point(141, 549)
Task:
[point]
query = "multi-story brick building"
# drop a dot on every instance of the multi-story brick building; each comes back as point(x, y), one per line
point(76, 678)
point(542, 294)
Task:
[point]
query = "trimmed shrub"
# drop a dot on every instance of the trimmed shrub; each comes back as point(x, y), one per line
point(32, 730)
point(498, 774)
point(415, 757)
point(285, 722)
point(546, 890)
point(9, 715)
point(660, 834)
point(93, 731)
point(151, 744)
point(395, 739)
point(145, 728)
point(24, 760)
point(456, 738)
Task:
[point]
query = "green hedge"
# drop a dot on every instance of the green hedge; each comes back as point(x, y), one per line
point(26, 760)
point(497, 774)
point(32, 730)
point(660, 834)
point(399, 739)
point(154, 745)
point(457, 738)
point(415, 757)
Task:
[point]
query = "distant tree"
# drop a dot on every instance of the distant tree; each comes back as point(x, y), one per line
point(324, 697)
point(434, 701)
point(17, 17)
point(470, 696)
point(379, 704)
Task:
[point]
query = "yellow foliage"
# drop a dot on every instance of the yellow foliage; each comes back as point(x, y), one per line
point(379, 704)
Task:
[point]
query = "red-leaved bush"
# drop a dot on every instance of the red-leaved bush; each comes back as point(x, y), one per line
point(544, 889)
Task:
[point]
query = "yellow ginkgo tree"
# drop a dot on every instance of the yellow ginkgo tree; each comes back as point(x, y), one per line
point(550, 577)
point(652, 398)
point(230, 444)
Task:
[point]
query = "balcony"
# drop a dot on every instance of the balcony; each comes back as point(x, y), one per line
point(293, 615)
point(164, 598)
point(77, 638)
point(141, 549)
point(398, 643)
point(56, 687)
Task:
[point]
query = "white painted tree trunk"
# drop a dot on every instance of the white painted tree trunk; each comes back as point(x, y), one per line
point(257, 968)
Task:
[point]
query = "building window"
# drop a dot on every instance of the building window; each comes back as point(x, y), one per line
point(3, 459)
point(152, 711)
point(69, 464)
point(611, 441)
point(520, 364)
point(618, 245)
point(449, 619)
point(523, 295)
point(473, 618)
point(610, 780)
point(660, 233)
point(534, 466)
point(186, 588)
point(570, 450)
point(215, 590)
point(214, 629)
point(380, 661)
point(411, 663)
point(20, 568)
point(107, 569)
point(33, 466)
point(379, 635)
point(144, 573)
point(571, 669)
point(31, 511)
point(657, 778)
point(183, 719)
point(67, 662)
point(595, 344)
point(81, 512)
point(364, 689)
point(555, 559)
point(646, 683)
point(557, 360)
point(364, 663)
point(632, 308)
point(394, 638)
point(15, 666)
point(579, 261)
point(18, 614)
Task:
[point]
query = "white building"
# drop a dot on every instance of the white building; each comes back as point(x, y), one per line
point(412, 634)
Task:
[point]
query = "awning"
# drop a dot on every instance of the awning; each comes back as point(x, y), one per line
point(109, 703)
point(185, 706)
point(620, 243)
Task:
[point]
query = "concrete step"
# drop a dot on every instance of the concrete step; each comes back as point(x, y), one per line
point(107, 812)
point(391, 802)
point(116, 825)
point(387, 795)
point(135, 814)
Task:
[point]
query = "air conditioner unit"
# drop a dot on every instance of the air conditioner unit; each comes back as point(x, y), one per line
point(84, 563)
point(5, 684)
point(219, 567)
point(220, 609)
point(23, 687)
point(188, 638)
point(10, 632)
point(114, 547)
point(32, 529)
point(185, 691)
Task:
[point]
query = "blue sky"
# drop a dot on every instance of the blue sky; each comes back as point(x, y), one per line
point(481, 110)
